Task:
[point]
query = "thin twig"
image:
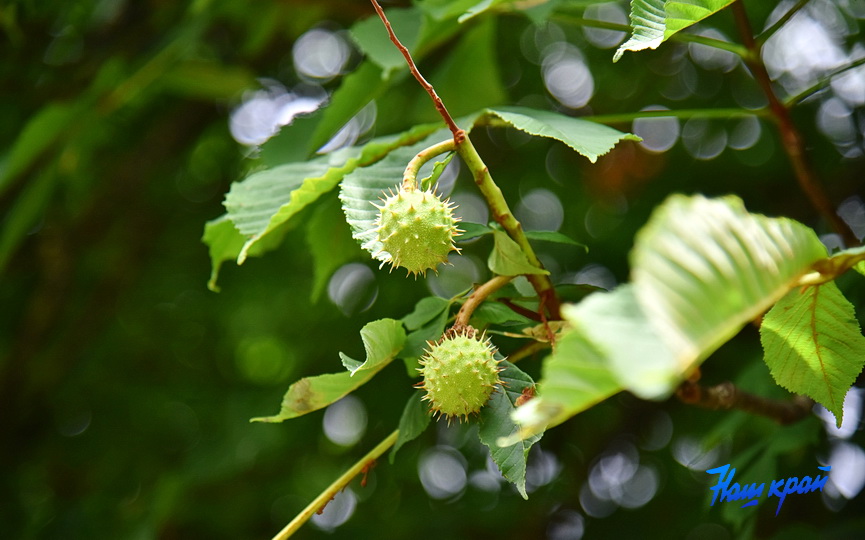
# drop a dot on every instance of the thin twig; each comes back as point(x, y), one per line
point(338, 485)
point(477, 298)
point(825, 81)
point(727, 396)
point(769, 32)
point(459, 134)
point(790, 137)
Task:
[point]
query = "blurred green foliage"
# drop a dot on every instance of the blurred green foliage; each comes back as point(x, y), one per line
point(126, 386)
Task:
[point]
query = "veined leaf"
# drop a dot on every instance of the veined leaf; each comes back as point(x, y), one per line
point(508, 259)
point(263, 203)
point(367, 185)
point(654, 21)
point(382, 340)
point(472, 230)
point(414, 421)
point(590, 139)
point(574, 378)
point(496, 423)
point(813, 345)
point(702, 268)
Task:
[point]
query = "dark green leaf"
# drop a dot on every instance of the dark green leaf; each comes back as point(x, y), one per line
point(330, 244)
point(508, 259)
point(414, 421)
point(425, 311)
point(472, 230)
point(553, 236)
point(429, 182)
point(590, 139)
point(495, 424)
point(372, 39)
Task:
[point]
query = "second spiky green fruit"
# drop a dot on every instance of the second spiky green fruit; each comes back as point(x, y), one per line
point(416, 230)
point(460, 373)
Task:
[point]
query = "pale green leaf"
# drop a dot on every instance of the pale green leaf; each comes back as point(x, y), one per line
point(702, 268)
point(495, 423)
point(366, 186)
point(813, 345)
point(382, 340)
point(654, 21)
point(590, 139)
point(263, 203)
point(428, 183)
point(508, 259)
point(619, 330)
point(574, 378)
point(414, 421)
point(860, 267)
point(224, 243)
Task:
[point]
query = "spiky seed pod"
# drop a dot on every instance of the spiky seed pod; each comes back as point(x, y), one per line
point(460, 373)
point(416, 230)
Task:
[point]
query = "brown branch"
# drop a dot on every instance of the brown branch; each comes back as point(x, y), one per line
point(727, 396)
point(477, 298)
point(791, 140)
point(459, 134)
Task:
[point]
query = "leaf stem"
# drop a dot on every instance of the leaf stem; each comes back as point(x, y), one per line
point(477, 298)
point(769, 32)
point(727, 396)
point(339, 484)
point(825, 81)
point(440, 106)
point(409, 177)
point(684, 37)
point(790, 136)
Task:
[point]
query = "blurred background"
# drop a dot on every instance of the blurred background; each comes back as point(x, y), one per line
point(126, 385)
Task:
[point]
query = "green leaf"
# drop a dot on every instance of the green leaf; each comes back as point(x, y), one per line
point(860, 267)
point(366, 186)
point(429, 182)
point(424, 311)
point(224, 243)
point(307, 133)
point(495, 423)
point(556, 237)
point(618, 329)
point(416, 342)
point(28, 209)
point(574, 378)
point(590, 139)
point(702, 268)
point(263, 203)
point(813, 345)
point(654, 21)
point(414, 421)
point(208, 80)
point(382, 340)
point(498, 314)
point(49, 125)
point(508, 259)
point(330, 244)
point(372, 39)
point(472, 230)
point(475, 58)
